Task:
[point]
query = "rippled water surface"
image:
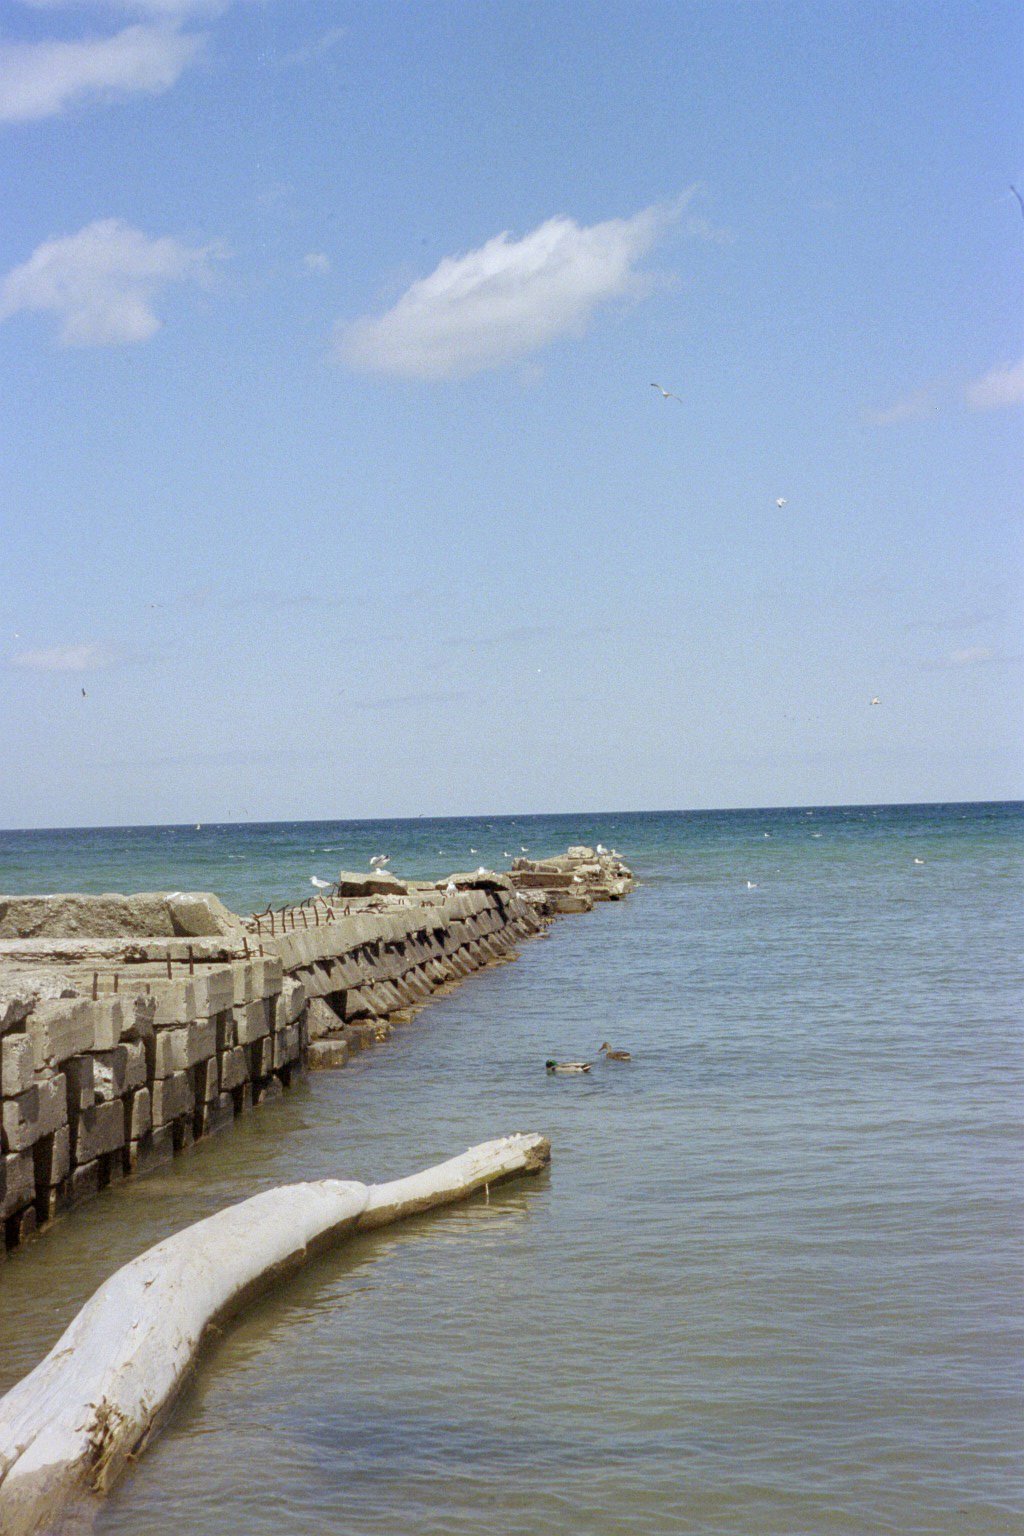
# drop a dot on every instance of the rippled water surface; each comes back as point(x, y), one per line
point(772, 1282)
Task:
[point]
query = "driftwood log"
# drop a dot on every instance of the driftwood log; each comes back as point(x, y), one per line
point(68, 1428)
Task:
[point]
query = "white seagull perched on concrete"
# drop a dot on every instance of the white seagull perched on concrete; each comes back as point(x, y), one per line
point(321, 885)
point(482, 870)
point(451, 889)
point(379, 860)
point(601, 848)
point(666, 394)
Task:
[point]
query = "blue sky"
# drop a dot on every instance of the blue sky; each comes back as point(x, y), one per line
point(330, 466)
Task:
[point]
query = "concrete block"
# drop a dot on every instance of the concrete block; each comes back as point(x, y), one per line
point(138, 1114)
point(85, 1182)
point(213, 990)
point(79, 1076)
point(286, 1046)
point(138, 1021)
point(59, 1029)
point(324, 1055)
point(322, 1019)
point(118, 1071)
point(21, 1227)
point(293, 999)
point(108, 1023)
point(172, 1098)
point(207, 1081)
point(175, 1002)
point(52, 1159)
point(252, 1022)
point(39, 1111)
point(234, 1068)
point(175, 1050)
point(17, 1064)
point(99, 1130)
point(17, 1182)
point(218, 1115)
point(151, 1151)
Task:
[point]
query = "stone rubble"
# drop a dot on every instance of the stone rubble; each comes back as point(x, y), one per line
point(120, 1047)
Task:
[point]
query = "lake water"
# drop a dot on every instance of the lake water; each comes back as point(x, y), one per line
point(772, 1283)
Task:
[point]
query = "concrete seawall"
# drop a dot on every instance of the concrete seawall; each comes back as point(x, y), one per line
point(131, 1025)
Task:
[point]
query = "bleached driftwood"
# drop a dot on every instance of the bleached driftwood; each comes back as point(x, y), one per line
point(109, 1381)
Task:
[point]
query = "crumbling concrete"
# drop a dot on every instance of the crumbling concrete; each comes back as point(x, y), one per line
point(132, 1025)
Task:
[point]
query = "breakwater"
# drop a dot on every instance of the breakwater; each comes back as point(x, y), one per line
point(131, 1025)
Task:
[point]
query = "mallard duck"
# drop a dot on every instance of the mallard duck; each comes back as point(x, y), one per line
point(610, 1055)
point(567, 1066)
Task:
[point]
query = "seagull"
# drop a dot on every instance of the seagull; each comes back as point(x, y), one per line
point(601, 848)
point(780, 502)
point(451, 888)
point(481, 870)
point(875, 700)
point(83, 693)
point(666, 394)
point(751, 885)
point(472, 850)
point(523, 848)
point(379, 860)
point(321, 885)
point(919, 861)
point(506, 855)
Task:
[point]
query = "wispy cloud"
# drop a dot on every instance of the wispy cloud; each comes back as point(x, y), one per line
point(999, 387)
point(913, 407)
point(970, 656)
point(317, 261)
point(40, 80)
point(319, 48)
point(412, 700)
point(64, 658)
point(175, 9)
point(507, 298)
point(102, 282)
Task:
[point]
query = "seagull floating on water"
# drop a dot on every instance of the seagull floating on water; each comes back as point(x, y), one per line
point(751, 885)
point(666, 394)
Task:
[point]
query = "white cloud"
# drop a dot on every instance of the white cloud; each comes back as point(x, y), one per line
point(166, 8)
point(43, 79)
point(319, 48)
point(317, 261)
point(971, 656)
point(102, 281)
point(1000, 386)
point(507, 298)
point(64, 658)
point(913, 407)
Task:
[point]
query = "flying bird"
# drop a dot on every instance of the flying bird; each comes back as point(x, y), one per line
point(875, 700)
point(666, 394)
point(780, 501)
point(83, 693)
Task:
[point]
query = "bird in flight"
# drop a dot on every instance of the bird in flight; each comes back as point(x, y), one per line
point(780, 501)
point(666, 394)
point(875, 700)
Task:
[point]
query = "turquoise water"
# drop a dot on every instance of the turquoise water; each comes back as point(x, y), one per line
point(772, 1283)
